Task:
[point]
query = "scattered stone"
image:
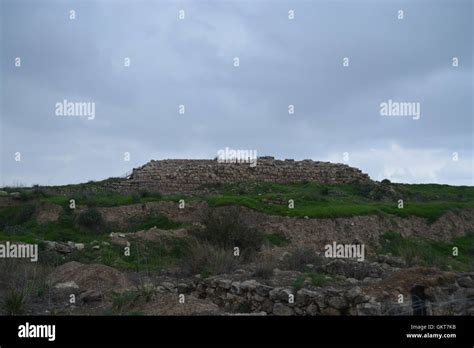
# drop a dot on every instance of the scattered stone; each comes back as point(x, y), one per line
point(337, 302)
point(353, 293)
point(312, 309)
point(66, 285)
point(224, 283)
point(91, 296)
point(281, 309)
point(168, 286)
point(394, 261)
point(249, 285)
point(285, 255)
point(184, 288)
point(280, 294)
point(369, 308)
point(63, 248)
point(466, 282)
point(263, 290)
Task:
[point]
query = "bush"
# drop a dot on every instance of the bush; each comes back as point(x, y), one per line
point(91, 219)
point(225, 229)
point(144, 193)
point(121, 302)
point(25, 213)
point(66, 218)
point(16, 230)
point(205, 259)
point(264, 269)
point(14, 302)
point(299, 258)
point(20, 280)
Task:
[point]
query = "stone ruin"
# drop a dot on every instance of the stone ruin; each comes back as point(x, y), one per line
point(182, 175)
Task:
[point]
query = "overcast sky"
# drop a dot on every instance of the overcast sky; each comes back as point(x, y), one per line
point(191, 62)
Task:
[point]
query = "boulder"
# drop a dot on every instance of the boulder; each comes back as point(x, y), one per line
point(94, 281)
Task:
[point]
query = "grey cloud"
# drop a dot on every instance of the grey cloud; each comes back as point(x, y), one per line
point(190, 62)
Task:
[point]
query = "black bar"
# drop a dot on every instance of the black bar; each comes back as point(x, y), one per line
point(134, 330)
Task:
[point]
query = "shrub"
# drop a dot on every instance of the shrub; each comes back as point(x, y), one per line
point(299, 258)
point(206, 259)
point(121, 302)
point(16, 230)
point(225, 229)
point(66, 218)
point(325, 191)
point(147, 291)
point(25, 213)
point(14, 302)
point(264, 269)
point(91, 219)
point(144, 193)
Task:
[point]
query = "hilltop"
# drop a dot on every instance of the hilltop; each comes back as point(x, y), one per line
point(184, 242)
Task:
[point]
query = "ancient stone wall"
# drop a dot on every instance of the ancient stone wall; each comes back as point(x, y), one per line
point(170, 176)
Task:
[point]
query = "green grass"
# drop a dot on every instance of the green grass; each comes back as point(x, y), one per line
point(17, 223)
point(144, 256)
point(15, 215)
point(424, 252)
point(316, 279)
point(436, 192)
point(345, 200)
point(110, 199)
point(160, 221)
point(121, 302)
point(92, 194)
point(276, 239)
point(311, 199)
